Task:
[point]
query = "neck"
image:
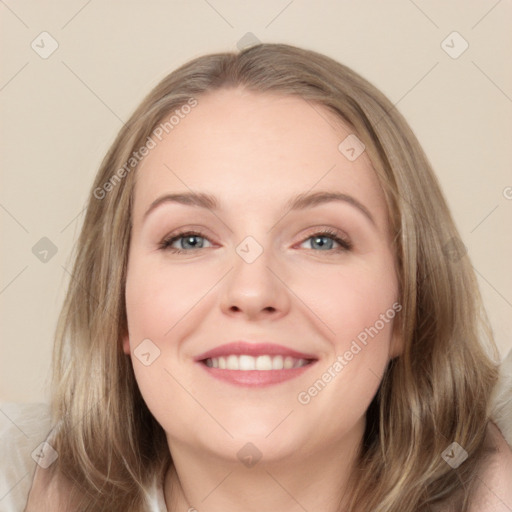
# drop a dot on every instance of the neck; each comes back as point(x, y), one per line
point(305, 480)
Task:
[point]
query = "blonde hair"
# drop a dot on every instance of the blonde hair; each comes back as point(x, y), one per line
point(435, 393)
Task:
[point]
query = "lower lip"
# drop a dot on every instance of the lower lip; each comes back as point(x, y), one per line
point(255, 378)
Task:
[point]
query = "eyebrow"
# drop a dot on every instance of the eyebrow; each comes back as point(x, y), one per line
point(299, 202)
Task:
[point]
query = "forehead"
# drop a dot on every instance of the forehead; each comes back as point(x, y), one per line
point(252, 150)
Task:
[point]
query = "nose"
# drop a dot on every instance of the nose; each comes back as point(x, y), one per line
point(255, 290)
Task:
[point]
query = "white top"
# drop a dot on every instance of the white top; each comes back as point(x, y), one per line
point(25, 427)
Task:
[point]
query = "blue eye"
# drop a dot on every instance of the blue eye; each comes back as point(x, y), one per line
point(188, 240)
point(322, 241)
point(325, 241)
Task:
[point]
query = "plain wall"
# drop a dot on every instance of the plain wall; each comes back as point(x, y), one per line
point(60, 114)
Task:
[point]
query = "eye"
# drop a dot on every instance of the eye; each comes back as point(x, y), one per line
point(325, 239)
point(188, 240)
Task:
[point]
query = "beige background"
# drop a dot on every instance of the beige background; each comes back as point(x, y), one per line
point(60, 114)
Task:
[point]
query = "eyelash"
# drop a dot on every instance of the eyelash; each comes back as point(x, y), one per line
point(345, 244)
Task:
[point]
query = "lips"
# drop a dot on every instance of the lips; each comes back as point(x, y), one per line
point(254, 364)
point(239, 348)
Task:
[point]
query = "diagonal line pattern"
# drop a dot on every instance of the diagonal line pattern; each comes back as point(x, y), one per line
point(206, 1)
point(14, 218)
point(492, 81)
point(14, 486)
point(375, 124)
point(300, 299)
point(492, 492)
point(19, 19)
point(424, 14)
point(492, 211)
point(216, 487)
point(200, 404)
point(73, 219)
point(404, 95)
point(199, 300)
point(14, 423)
point(500, 294)
point(92, 91)
point(440, 434)
point(321, 114)
point(14, 76)
point(279, 424)
point(485, 15)
point(76, 14)
point(417, 83)
point(279, 14)
point(13, 279)
point(285, 490)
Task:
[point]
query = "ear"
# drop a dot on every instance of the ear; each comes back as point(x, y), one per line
point(126, 344)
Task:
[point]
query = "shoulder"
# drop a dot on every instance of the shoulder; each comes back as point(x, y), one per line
point(493, 491)
point(23, 427)
point(501, 401)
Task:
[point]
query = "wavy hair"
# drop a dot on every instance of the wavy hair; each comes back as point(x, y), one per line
point(434, 393)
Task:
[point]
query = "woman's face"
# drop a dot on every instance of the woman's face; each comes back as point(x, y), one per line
point(313, 310)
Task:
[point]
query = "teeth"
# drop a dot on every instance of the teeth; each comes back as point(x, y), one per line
point(277, 363)
point(264, 363)
point(247, 363)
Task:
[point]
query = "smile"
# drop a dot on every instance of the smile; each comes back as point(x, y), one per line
point(246, 362)
point(253, 364)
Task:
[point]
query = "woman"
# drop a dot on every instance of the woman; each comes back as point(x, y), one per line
point(271, 309)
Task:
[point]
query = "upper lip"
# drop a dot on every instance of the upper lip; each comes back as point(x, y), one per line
point(252, 349)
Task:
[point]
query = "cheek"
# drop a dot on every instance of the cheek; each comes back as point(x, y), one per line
point(158, 296)
point(352, 302)
point(358, 307)
point(349, 307)
point(344, 383)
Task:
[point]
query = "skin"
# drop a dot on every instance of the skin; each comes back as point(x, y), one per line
point(253, 152)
